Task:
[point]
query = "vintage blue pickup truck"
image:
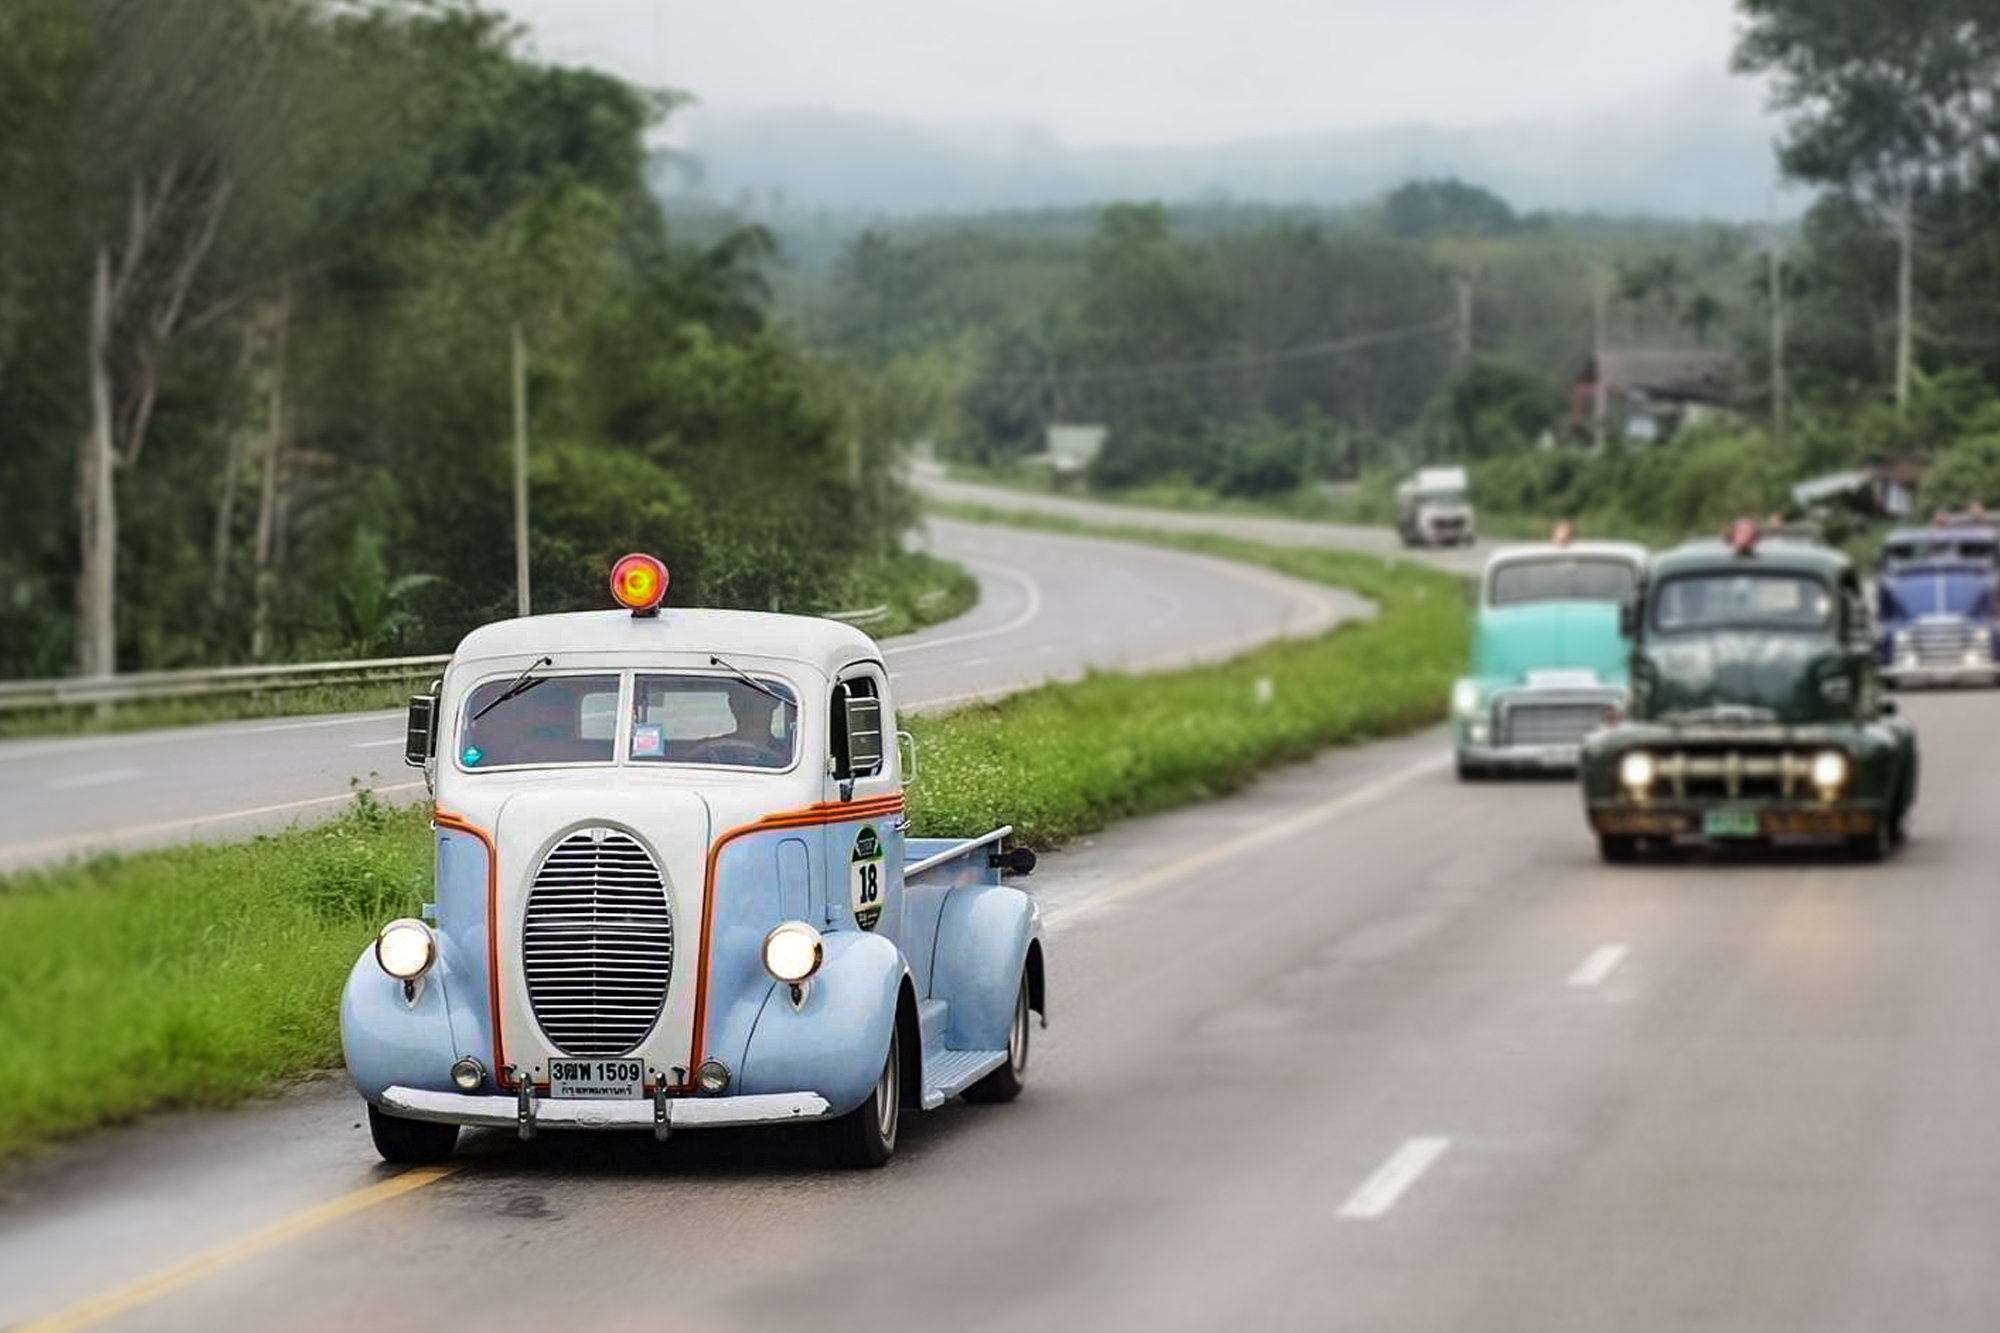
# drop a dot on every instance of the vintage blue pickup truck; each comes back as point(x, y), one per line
point(674, 891)
point(1937, 605)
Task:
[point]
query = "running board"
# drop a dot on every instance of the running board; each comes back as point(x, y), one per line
point(948, 1073)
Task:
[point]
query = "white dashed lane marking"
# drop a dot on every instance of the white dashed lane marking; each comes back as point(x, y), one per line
point(1393, 1179)
point(1597, 968)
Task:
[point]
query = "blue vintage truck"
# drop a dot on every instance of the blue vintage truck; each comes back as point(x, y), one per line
point(1937, 605)
point(1548, 660)
point(674, 891)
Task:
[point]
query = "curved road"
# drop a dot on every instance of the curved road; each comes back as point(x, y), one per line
point(1051, 607)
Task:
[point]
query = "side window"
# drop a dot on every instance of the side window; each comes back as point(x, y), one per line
point(856, 718)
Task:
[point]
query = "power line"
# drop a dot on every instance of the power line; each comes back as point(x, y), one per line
point(1247, 361)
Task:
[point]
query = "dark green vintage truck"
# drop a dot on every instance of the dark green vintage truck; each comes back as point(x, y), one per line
point(1755, 712)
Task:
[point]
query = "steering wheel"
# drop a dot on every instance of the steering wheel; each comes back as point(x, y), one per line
point(731, 751)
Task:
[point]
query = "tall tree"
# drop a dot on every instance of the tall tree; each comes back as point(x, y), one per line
point(1887, 100)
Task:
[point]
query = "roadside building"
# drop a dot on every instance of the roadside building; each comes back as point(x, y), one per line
point(1651, 394)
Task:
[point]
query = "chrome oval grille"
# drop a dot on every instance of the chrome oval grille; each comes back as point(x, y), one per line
point(597, 947)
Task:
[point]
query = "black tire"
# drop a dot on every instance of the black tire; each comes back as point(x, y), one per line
point(1471, 772)
point(1005, 1083)
point(1617, 848)
point(865, 1137)
point(410, 1142)
point(1870, 848)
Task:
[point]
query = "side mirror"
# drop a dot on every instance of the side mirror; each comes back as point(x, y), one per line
point(1628, 618)
point(420, 734)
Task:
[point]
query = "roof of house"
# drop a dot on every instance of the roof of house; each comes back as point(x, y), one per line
point(1691, 374)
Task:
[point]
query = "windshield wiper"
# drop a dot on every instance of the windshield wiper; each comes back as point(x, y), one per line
point(750, 680)
point(524, 682)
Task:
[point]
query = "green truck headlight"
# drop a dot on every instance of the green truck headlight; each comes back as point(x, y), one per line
point(1637, 771)
point(1830, 771)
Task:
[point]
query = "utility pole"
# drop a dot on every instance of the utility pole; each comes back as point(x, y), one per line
point(1777, 340)
point(1905, 298)
point(1600, 298)
point(520, 471)
point(1461, 340)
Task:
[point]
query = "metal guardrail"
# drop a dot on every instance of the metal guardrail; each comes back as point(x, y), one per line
point(145, 686)
point(19, 696)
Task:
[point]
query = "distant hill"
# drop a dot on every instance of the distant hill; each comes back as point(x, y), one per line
point(1702, 151)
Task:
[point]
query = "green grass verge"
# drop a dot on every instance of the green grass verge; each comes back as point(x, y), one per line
point(917, 590)
point(204, 975)
point(190, 977)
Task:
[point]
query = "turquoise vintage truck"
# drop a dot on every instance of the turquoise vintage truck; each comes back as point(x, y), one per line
point(1548, 658)
point(1756, 712)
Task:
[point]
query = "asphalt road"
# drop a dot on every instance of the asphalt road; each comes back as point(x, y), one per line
point(1050, 607)
point(1363, 1049)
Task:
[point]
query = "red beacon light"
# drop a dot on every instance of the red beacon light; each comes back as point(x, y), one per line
point(640, 583)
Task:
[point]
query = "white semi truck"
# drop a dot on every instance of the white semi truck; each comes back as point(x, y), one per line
point(1434, 509)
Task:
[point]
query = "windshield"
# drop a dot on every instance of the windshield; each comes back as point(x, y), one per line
point(714, 720)
point(1566, 579)
point(554, 720)
point(1763, 600)
point(1923, 549)
point(1444, 499)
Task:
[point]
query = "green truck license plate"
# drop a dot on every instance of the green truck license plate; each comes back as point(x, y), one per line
point(1730, 824)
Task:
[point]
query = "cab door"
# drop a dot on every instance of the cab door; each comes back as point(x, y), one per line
point(864, 872)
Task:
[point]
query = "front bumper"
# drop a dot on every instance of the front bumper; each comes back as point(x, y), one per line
point(1677, 820)
point(661, 1115)
point(1521, 758)
point(1916, 673)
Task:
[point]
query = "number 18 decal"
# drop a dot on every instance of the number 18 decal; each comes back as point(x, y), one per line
point(864, 878)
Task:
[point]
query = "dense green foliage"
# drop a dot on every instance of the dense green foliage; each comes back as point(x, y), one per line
point(215, 972)
point(1252, 352)
point(321, 225)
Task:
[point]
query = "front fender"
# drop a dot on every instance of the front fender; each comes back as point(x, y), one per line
point(835, 1041)
point(389, 1039)
point(984, 935)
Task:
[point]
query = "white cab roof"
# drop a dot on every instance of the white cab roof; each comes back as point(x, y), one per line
point(826, 645)
point(1631, 552)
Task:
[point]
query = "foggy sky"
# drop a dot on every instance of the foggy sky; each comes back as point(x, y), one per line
point(1157, 71)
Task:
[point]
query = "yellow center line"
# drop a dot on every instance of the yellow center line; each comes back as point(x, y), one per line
point(230, 1253)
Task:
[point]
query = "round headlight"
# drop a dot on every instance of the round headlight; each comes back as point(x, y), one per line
point(1829, 770)
point(1637, 770)
point(793, 952)
point(712, 1078)
point(1465, 698)
point(406, 949)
